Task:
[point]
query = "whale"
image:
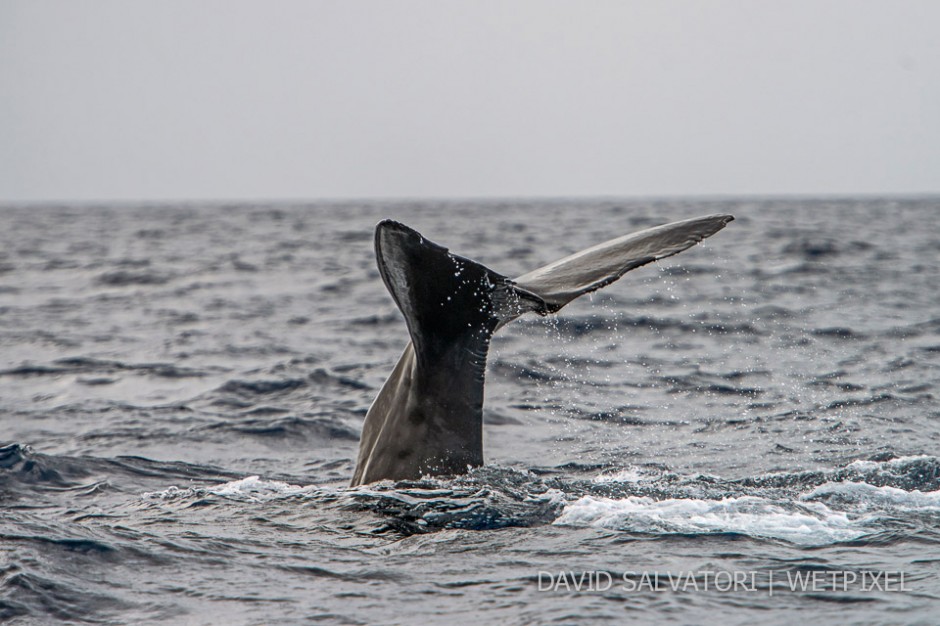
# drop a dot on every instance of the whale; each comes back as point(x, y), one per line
point(427, 419)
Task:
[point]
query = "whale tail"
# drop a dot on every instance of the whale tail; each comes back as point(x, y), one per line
point(562, 281)
point(417, 273)
point(428, 417)
point(451, 304)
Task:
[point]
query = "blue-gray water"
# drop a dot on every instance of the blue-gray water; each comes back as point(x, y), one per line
point(182, 389)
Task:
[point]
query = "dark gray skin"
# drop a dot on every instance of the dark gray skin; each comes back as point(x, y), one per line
point(428, 417)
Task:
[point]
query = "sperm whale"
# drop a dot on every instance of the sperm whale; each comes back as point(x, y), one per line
point(428, 417)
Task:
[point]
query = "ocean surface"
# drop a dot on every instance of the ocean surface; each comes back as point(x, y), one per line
point(748, 432)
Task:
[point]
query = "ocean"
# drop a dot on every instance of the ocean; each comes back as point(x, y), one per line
point(746, 432)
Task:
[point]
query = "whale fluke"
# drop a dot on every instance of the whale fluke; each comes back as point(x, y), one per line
point(428, 416)
point(564, 280)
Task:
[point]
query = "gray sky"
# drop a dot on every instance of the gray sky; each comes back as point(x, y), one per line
point(324, 99)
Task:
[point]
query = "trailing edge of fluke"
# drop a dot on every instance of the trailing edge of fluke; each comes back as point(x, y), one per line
point(428, 417)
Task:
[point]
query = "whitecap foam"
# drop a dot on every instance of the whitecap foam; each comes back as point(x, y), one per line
point(632, 474)
point(804, 523)
point(880, 466)
point(169, 493)
point(549, 496)
point(252, 488)
point(868, 498)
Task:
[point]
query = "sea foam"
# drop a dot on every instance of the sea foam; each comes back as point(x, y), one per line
point(805, 523)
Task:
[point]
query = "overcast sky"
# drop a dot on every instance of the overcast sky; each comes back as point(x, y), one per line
point(110, 100)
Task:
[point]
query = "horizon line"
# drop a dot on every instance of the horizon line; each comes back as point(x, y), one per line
point(293, 200)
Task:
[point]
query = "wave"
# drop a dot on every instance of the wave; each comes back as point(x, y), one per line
point(800, 523)
point(125, 278)
point(250, 488)
point(581, 325)
point(815, 509)
point(86, 365)
point(26, 474)
point(866, 497)
point(297, 430)
point(818, 508)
